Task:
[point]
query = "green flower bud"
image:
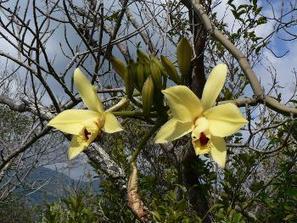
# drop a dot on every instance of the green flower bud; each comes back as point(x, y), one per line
point(139, 76)
point(147, 95)
point(184, 56)
point(142, 57)
point(129, 79)
point(158, 62)
point(156, 73)
point(170, 70)
point(146, 70)
point(119, 67)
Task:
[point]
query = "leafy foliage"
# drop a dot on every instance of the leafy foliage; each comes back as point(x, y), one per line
point(258, 185)
point(17, 210)
point(78, 207)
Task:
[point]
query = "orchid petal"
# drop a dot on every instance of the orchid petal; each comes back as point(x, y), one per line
point(173, 129)
point(224, 120)
point(218, 151)
point(201, 125)
point(92, 130)
point(77, 145)
point(214, 85)
point(87, 91)
point(183, 103)
point(72, 121)
point(199, 149)
point(111, 123)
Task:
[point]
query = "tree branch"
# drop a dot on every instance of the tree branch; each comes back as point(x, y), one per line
point(110, 168)
point(243, 62)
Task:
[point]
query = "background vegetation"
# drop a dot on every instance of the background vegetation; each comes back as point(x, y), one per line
point(42, 42)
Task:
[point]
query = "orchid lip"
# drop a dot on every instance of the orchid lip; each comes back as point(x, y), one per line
point(203, 139)
point(87, 134)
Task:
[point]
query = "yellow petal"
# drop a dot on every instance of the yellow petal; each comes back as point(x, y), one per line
point(224, 120)
point(183, 103)
point(91, 130)
point(72, 121)
point(214, 85)
point(173, 129)
point(77, 145)
point(201, 125)
point(111, 123)
point(199, 149)
point(87, 92)
point(218, 151)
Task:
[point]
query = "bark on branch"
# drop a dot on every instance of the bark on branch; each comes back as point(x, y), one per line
point(243, 62)
point(134, 201)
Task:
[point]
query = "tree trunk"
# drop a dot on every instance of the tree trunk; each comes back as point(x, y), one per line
point(198, 196)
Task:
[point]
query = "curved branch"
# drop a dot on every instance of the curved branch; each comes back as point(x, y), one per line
point(108, 166)
point(95, 152)
point(243, 62)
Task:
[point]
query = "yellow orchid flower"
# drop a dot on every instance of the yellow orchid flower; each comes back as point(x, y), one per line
point(85, 125)
point(209, 125)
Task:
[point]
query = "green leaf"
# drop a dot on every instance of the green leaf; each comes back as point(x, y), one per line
point(156, 73)
point(119, 67)
point(129, 80)
point(170, 70)
point(147, 95)
point(184, 56)
point(142, 57)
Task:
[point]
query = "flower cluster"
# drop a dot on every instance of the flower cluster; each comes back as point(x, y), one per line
point(85, 125)
point(207, 123)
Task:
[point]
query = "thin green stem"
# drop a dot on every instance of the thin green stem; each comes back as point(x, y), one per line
point(132, 114)
point(144, 140)
point(128, 113)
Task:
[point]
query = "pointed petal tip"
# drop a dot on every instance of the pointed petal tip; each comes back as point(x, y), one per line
point(219, 151)
point(220, 164)
point(222, 66)
point(160, 141)
point(167, 90)
point(111, 124)
point(77, 72)
point(77, 145)
point(50, 123)
point(70, 156)
point(73, 153)
point(87, 91)
point(72, 121)
point(119, 129)
point(53, 125)
point(172, 130)
point(159, 138)
point(214, 85)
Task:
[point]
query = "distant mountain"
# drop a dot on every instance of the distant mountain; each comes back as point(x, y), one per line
point(51, 185)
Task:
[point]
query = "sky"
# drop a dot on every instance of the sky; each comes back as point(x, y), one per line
point(283, 66)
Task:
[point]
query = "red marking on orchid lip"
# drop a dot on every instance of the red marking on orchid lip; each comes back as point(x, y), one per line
point(203, 139)
point(87, 134)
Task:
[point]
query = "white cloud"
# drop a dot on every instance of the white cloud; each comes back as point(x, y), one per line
point(282, 66)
